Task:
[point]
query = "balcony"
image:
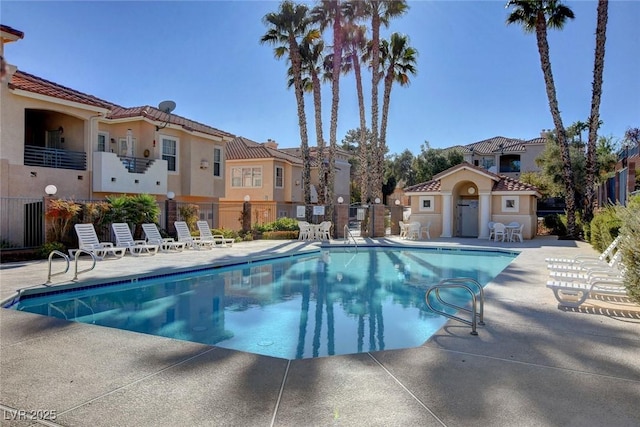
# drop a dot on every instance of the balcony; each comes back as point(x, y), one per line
point(54, 158)
point(113, 174)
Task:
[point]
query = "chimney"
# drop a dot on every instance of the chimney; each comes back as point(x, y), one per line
point(271, 144)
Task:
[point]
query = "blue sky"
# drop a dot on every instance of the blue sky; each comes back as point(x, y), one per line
point(477, 78)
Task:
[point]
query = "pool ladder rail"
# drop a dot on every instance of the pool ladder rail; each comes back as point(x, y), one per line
point(477, 310)
point(78, 252)
point(347, 234)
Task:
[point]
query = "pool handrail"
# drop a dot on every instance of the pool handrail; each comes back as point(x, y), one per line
point(78, 252)
point(347, 233)
point(462, 283)
point(66, 258)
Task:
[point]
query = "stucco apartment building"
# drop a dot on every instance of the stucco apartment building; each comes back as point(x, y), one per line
point(89, 148)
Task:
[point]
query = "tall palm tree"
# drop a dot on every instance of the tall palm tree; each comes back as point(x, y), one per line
point(286, 27)
point(329, 13)
point(594, 118)
point(398, 60)
point(536, 16)
point(355, 44)
point(380, 12)
point(312, 49)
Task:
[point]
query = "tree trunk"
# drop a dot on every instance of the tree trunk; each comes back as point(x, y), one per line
point(376, 162)
point(364, 173)
point(322, 168)
point(386, 99)
point(594, 118)
point(567, 171)
point(335, 98)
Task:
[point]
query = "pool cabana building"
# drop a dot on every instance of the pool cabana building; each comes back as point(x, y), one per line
point(461, 201)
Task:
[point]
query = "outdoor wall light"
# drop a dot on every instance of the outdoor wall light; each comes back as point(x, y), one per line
point(340, 199)
point(297, 182)
point(397, 202)
point(377, 200)
point(171, 195)
point(50, 189)
point(247, 198)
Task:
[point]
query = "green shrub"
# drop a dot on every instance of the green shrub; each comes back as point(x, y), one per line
point(47, 248)
point(280, 235)
point(228, 234)
point(555, 225)
point(604, 227)
point(281, 224)
point(630, 229)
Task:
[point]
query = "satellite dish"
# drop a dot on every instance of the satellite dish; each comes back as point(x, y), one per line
point(167, 106)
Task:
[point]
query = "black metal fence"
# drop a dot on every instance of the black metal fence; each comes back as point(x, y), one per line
point(21, 222)
point(54, 158)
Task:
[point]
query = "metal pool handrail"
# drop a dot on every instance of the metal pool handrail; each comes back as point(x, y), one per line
point(462, 283)
point(346, 233)
point(66, 258)
point(77, 256)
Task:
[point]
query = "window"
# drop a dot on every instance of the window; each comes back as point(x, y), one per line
point(170, 153)
point(102, 141)
point(426, 204)
point(279, 177)
point(510, 163)
point(510, 204)
point(217, 162)
point(246, 177)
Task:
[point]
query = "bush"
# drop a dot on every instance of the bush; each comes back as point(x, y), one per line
point(604, 227)
point(555, 225)
point(190, 214)
point(228, 234)
point(280, 235)
point(49, 247)
point(281, 224)
point(630, 229)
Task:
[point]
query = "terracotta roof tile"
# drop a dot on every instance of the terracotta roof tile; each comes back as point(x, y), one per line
point(493, 145)
point(30, 83)
point(429, 186)
point(152, 113)
point(241, 148)
point(509, 184)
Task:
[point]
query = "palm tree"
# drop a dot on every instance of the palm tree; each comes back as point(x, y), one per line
point(312, 49)
point(355, 44)
point(594, 118)
point(398, 59)
point(536, 16)
point(329, 12)
point(380, 13)
point(285, 28)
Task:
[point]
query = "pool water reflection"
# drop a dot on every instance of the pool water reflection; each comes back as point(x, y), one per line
point(336, 301)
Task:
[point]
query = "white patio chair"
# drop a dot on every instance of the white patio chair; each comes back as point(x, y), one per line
point(324, 231)
point(403, 229)
point(516, 234)
point(413, 231)
point(217, 239)
point(88, 240)
point(425, 230)
point(124, 238)
point(499, 232)
point(490, 225)
point(164, 243)
point(305, 230)
point(184, 235)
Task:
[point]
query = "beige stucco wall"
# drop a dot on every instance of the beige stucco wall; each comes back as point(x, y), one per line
point(482, 182)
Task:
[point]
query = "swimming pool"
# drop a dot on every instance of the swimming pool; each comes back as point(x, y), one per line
point(335, 301)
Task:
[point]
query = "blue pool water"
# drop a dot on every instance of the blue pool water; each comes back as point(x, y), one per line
point(332, 302)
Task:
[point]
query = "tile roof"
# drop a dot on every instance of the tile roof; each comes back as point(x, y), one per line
point(153, 113)
point(313, 153)
point(241, 148)
point(502, 183)
point(30, 83)
point(499, 143)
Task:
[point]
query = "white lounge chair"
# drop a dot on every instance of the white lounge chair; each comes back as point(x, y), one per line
point(184, 235)
point(164, 243)
point(573, 294)
point(587, 264)
point(217, 239)
point(88, 241)
point(604, 256)
point(586, 270)
point(124, 238)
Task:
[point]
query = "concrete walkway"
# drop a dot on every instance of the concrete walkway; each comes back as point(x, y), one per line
point(533, 364)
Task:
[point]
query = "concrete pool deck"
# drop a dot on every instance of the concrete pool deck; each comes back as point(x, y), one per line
point(532, 364)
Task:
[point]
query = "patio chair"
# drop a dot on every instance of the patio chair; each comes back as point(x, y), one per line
point(604, 256)
point(499, 231)
point(587, 264)
point(490, 224)
point(425, 230)
point(573, 294)
point(217, 239)
point(124, 238)
point(403, 229)
point(413, 230)
point(305, 230)
point(516, 234)
point(184, 235)
point(88, 241)
point(585, 270)
point(164, 243)
point(324, 231)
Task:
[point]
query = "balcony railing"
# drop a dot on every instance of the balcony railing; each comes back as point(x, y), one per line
point(54, 158)
point(136, 164)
